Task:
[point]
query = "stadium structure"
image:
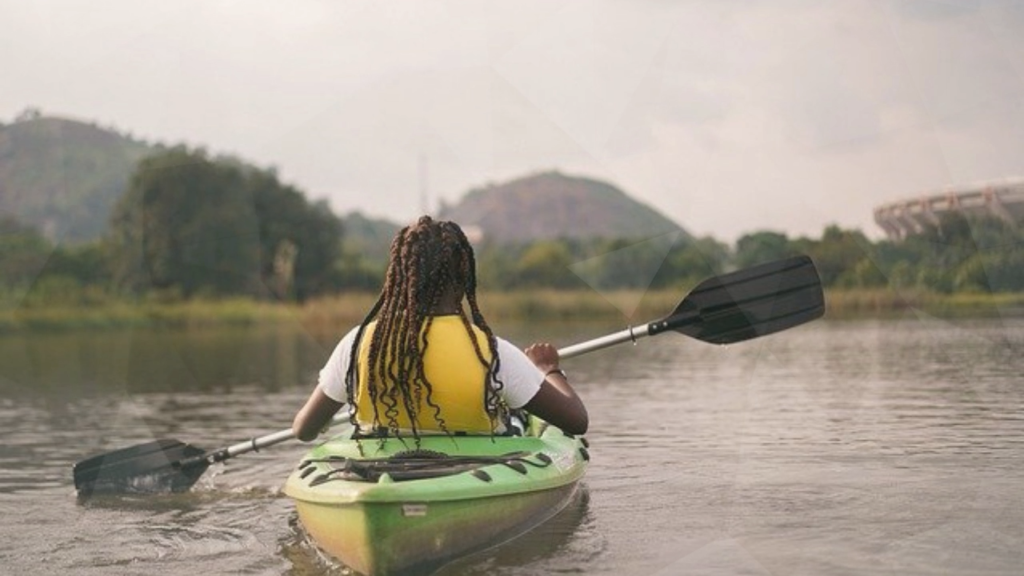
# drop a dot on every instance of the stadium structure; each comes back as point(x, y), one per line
point(1003, 199)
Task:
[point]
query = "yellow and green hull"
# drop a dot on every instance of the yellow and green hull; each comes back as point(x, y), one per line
point(390, 525)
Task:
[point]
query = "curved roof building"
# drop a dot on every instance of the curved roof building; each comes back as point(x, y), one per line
point(1002, 199)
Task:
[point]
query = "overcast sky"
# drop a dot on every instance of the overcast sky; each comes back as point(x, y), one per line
point(728, 116)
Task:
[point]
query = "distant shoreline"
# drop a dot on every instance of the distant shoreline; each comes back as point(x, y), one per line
point(535, 305)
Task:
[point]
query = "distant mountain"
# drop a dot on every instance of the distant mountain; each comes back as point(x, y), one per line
point(63, 176)
point(553, 205)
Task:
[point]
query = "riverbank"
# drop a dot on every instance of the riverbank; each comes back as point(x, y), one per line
point(343, 310)
point(882, 303)
point(330, 312)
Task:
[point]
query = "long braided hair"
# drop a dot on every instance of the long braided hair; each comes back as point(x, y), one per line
point(429, 260)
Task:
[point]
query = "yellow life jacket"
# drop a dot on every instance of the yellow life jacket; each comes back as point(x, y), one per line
point(455, 373)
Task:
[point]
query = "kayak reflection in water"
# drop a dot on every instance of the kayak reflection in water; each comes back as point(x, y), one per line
point(419, 364)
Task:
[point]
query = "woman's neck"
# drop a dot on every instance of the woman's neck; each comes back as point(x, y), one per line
point(449, 303)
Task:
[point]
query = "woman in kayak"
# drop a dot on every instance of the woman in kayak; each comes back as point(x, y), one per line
point(419, 364)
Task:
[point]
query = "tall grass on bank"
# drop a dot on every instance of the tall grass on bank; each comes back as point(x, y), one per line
point(333, 313)
point(872, 302)
point(329, 314)
point(186, 314)
point(881, 303)
point(346, 310)
point(587, 305)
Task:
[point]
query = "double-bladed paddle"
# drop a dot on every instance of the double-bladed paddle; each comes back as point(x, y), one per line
point(734, 307)
point(164, 465)
point(724, 309)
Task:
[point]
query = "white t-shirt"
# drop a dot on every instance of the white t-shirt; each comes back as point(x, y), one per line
point(520, 376)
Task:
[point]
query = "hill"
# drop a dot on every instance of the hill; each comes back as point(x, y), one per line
point(553, 205)
point(63, 176)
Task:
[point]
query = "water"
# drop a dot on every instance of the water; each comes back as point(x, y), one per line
point(869, 447)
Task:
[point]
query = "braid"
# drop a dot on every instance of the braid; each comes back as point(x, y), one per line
point(492, 402)
point(427, 260)
point(352, 376)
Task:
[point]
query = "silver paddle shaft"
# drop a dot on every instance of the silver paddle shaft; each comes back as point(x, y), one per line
point(255, 444)
point(631, 334)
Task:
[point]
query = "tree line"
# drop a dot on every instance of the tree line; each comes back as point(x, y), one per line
point(190, 225)
point(958, 254)
point(187, 226)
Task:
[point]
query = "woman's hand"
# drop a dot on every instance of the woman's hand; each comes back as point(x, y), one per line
point(543, 355)
point(555, 402)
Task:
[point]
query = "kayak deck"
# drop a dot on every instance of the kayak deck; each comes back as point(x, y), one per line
point(386, 507)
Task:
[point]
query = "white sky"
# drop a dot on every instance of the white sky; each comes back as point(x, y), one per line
point(729, 116)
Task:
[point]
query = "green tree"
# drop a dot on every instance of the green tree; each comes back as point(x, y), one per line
point(86, 263)
point(622, 263)
point(288, 222)
point(545, 263)
point(185, 223)
point(761, 247)
point(864, 274)
point(1005, 270)
point(994, 256)
point(691, 262)
point(497, 266)
point(195, 225)
point(838, 254)
point(23, 253)
point(354, 271)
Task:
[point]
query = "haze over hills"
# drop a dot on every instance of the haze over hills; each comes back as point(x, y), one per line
point(64, 176)
point(554, 205)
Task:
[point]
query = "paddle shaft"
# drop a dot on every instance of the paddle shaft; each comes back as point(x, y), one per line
point(251, 445)
point(631, 334)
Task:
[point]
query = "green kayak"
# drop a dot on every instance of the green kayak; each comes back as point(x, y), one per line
point(389, 507)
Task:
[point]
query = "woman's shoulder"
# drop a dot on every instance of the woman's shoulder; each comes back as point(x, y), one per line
point(512, 355)
point(504, 344)
point(347, 341)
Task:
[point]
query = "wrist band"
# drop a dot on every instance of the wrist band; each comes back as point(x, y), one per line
point(557, 371)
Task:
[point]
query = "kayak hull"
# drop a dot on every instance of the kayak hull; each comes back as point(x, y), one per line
point(406, 526)
point(380, 539)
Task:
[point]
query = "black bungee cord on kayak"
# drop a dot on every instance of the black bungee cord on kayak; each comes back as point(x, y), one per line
point(419, 464)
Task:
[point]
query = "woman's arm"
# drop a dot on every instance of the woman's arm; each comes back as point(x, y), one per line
point(314, 415)
point(321, 407)
point(556, 402)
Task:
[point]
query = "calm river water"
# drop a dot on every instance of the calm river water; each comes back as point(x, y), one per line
point(867, 447)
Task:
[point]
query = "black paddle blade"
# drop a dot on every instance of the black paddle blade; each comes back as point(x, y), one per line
point(749, 303)
point(151, 467)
